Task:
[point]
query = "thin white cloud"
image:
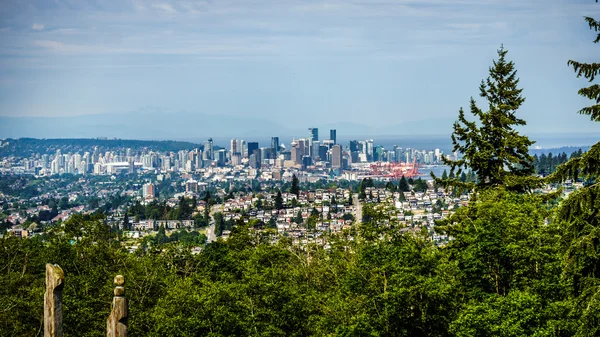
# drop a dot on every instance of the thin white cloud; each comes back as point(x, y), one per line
point(49, 44)
point(466, 26)
point(37, 26)
point(164, 7)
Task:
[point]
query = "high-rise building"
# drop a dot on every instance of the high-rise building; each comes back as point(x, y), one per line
point(148, 161)
point(391, 156)
point(379, 153)
point(131, 166)
point(265, 153)
point(398, 153)
point(336, 157)
point(60, 160)
point(208, 150)
point(306, 161)
point(303, 145)
point(323, 152)
point(76, 161)
point(221, 156)
point(369, 149)
point(297, 152)
point(252, 146)
point(189, 166)
point(275, 145)
point(236, 159)
point(333, 136)
point(254, 160)
point(234, 148)
point(313, 134)
point(243, 147)
point(165, 163)
point(314, 151)
point(191, 186)
point(148, 191)
point(45, 161)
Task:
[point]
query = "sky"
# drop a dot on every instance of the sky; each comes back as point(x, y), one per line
point(372, 63)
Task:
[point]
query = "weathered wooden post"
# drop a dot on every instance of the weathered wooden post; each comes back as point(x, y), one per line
point(117, 321)
point(55, 281)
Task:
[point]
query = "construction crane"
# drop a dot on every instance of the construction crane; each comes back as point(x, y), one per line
point(395, 171)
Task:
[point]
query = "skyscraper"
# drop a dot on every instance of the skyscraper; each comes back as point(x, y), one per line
point(354, 151)
point(242, 147)
point(275, 145)
point(234, 147)
point(336, 157)
point(148, 191)
point(252, 146)
point(208, 150)
point(221, 157)
point(333, 136)
point(255, 160)
point(369, 149)
point(314, 151)
point(314, 134)
point(297, 152)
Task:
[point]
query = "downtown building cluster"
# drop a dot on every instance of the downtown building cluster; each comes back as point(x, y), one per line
point(326, 157)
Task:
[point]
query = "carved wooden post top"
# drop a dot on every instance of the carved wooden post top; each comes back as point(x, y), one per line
point(117, 321)
point(55, 277)
point(119, 282)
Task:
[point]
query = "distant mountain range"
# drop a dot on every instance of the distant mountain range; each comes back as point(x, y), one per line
point(177, 126)
point(195, 127)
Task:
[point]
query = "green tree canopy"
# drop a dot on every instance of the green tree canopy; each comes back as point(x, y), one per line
point(403, 185)
point(580, 213)
point(490, 146)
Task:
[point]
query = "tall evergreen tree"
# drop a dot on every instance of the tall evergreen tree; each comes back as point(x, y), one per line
point(580, 213)
point(403, 185)
point(278, 201)
point(295, 189)
point(298, 219)
point(361, 189)
point(490, 146)
point(126, 223)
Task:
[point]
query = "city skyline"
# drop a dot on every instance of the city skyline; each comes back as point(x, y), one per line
point(361, 63)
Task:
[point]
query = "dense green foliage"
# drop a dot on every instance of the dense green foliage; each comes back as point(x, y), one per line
point(184, 237)
point(547, 164)
point(579, 215)
point(157, 210)
point(501, 275)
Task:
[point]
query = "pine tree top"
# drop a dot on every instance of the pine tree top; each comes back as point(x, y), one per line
point(490, 145)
